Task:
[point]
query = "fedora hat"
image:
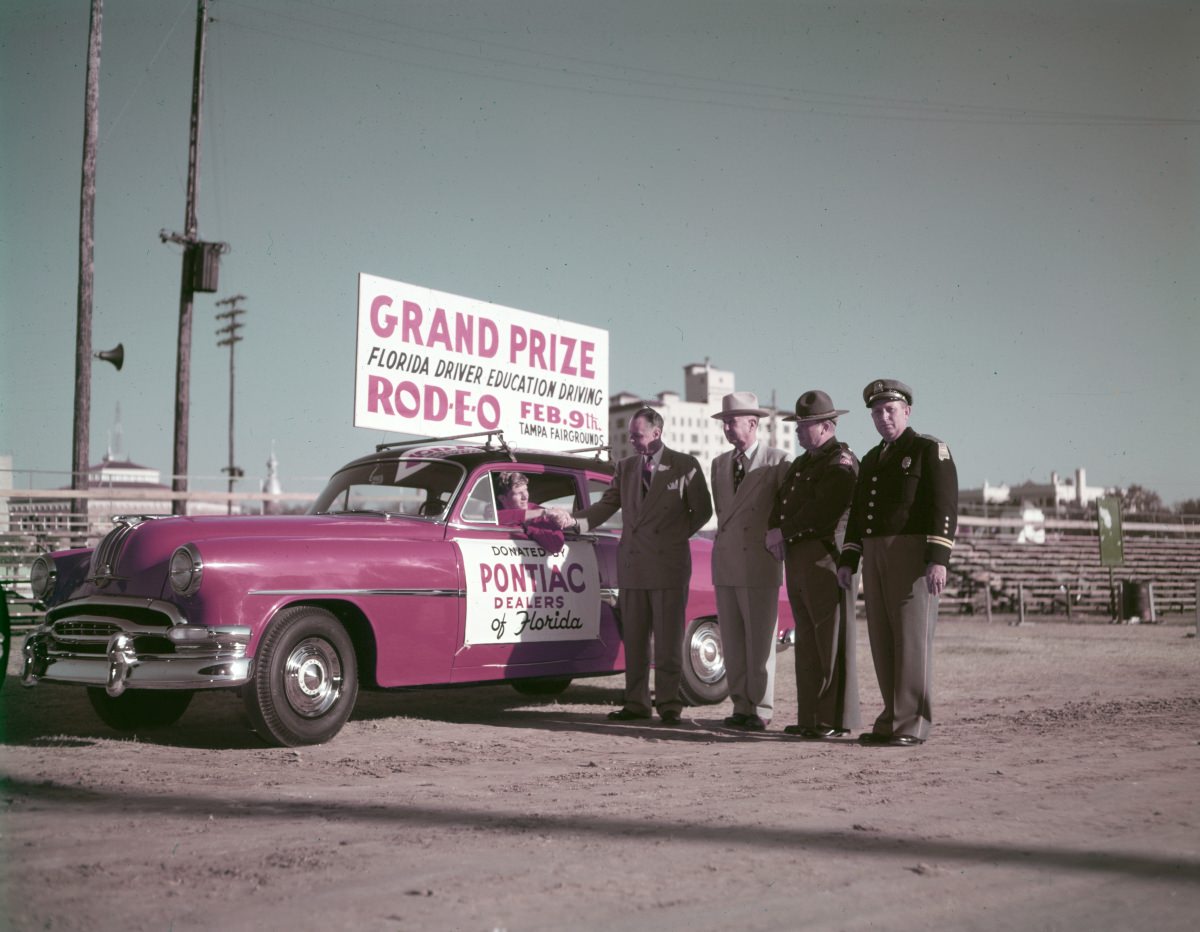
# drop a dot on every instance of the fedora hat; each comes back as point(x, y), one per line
point(814, 406)
point(736, 404)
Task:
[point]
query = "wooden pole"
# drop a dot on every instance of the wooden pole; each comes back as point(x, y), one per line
point(183, 358)
point(87, 237)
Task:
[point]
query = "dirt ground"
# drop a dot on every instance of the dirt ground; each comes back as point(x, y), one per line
point(1060, 790)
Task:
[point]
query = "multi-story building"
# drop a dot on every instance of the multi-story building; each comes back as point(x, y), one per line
point(688, 422)
point(1058, 492)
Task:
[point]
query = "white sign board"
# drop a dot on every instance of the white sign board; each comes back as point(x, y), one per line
point(437, 364)
point(518, 593)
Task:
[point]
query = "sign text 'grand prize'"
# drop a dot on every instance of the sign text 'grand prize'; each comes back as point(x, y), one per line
point(435, 363)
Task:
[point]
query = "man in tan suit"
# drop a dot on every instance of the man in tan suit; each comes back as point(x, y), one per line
point(745, 575)
point(664, 500)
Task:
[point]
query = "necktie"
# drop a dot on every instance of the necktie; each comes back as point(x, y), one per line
point(739, 469)
point(647, 472)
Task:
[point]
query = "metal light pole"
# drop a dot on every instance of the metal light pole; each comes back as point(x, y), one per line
point(229, 331)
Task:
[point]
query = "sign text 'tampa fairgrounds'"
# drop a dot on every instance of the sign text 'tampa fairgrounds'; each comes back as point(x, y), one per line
point(518, 593)
point(437, 364)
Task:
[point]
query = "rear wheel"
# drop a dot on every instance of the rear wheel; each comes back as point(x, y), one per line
point(136, 709)
point(305, 679)
point(542, 688)
point(703, 681)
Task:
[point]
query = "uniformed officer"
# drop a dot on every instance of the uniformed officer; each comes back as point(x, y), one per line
point(806, 528)
point(902, 524)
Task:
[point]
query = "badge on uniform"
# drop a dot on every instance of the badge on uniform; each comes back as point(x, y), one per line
point(943, 452)
point(905, 463)
point(846, 459)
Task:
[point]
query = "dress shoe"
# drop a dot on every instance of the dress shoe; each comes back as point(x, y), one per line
point(670, 718)
point(755, 723)
point(737, 720)
point(905, 741)
point(626, 715)
point(874, 737)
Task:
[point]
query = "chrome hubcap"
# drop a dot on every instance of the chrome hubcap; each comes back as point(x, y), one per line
point(705, 654)
point(313, 677)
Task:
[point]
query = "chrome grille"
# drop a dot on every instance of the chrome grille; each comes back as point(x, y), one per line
point(84, 630)
point(121, 614)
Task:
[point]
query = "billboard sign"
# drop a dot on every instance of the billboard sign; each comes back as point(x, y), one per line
point(437, 364)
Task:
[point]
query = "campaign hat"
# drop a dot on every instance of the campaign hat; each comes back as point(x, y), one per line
point(736, 404)
point(887, 390)
point(814, 406)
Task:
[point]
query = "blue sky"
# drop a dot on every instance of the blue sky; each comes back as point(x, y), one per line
point(996, 202)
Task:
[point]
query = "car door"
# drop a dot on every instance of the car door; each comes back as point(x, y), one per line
point(528, 611)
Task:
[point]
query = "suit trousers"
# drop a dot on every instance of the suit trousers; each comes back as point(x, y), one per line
point(749, 621)
point(661, 613)
point(826, 671)
point(901, 615)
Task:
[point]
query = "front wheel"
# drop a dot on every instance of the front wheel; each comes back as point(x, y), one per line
point(136, 709)
point(305, 679)
point(703, 681)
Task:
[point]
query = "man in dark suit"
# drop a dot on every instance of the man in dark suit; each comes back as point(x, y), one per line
point(902, 524)
point(745, 575)
point(664, 500)
point(807, 525)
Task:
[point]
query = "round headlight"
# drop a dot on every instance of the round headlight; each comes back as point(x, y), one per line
point(186, 569)
point(42, 576)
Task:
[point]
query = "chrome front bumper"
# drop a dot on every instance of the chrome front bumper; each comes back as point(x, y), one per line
point(121, 643)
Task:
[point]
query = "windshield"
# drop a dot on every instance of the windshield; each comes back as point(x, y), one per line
point(418, 488)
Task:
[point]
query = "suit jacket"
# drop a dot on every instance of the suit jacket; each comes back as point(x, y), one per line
point(911, 490)
point(654, 551)
point(739, 556)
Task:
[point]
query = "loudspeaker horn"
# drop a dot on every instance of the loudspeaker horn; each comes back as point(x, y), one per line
point(116, 355)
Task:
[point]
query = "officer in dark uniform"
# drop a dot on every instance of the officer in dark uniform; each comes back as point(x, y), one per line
point(902, 524)
point(805, 531)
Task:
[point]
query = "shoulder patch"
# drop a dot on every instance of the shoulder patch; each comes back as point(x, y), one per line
point(943, 451)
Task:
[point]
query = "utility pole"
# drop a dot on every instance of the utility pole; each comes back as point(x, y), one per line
point(200, 262)
point(87, 238)
point(229, 331)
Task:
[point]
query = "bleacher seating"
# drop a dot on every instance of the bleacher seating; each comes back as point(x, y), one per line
point(1064, 575)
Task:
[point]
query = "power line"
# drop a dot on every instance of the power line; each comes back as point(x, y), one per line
point(563, 72)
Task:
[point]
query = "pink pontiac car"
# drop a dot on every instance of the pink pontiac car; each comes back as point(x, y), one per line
point(400, 576)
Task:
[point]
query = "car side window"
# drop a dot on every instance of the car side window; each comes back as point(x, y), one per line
point(553, 490)
point(546, 489)
point(480, 505)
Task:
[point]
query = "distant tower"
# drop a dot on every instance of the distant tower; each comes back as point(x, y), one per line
point(271, 484)
point(116, 440)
